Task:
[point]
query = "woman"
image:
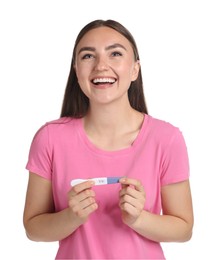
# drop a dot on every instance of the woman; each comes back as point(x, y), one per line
point(105, 131)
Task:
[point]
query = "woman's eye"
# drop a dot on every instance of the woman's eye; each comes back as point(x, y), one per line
point(87, 56)
point(116, 53)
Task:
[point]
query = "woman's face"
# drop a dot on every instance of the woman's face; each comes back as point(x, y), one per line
point(105, 65)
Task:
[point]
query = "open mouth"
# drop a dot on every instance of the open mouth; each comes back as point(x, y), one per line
point(101, 81)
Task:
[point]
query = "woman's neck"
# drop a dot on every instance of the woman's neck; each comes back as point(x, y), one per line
point(107, 126)
point(109, 118)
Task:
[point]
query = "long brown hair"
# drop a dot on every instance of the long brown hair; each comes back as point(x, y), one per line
point(75, 102)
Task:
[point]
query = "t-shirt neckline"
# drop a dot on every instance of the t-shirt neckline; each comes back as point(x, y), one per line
point(98, 150)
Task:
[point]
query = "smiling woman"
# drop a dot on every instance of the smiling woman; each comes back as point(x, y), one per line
point(75, 102)
point(104, 132)
point(106, 63)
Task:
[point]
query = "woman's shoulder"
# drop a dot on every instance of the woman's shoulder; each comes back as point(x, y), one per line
point(161, 123)
point(61, 120)
point(162, 128)
point(57, 126)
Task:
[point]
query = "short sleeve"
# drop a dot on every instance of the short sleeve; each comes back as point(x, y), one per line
point(40, 158)
point(175, 163)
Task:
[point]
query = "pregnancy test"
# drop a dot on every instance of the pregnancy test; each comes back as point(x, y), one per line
point(98, 181)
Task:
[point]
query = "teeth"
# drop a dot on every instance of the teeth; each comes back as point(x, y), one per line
point(103, 80)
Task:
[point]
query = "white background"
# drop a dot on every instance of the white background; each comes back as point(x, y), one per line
point(177, 41)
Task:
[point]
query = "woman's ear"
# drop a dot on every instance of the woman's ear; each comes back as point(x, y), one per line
point(136, 70)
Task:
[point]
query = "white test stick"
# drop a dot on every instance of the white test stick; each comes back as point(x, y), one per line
point(98, 181)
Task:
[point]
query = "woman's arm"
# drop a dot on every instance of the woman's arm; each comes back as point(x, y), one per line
point(176, 223)
point(40, 220)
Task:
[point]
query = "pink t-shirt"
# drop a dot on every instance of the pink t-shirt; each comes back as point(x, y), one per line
point(61, 151)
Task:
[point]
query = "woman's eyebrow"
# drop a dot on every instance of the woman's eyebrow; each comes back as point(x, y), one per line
point(113, 46)
point(86, 49)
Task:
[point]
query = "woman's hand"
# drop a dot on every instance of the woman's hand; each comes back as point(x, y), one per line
point(176, 222)
point(81, 201)
point(132, 200)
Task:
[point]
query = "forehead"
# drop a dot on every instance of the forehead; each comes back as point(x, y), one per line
point(103, 37)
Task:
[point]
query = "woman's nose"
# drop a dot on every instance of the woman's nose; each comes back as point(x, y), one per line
point(101, 64)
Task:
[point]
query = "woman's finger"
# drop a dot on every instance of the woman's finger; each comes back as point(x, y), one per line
point(132, 182)
point(80, 187)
